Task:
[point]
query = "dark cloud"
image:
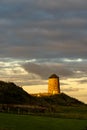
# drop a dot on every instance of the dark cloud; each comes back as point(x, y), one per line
point(44, 70)
point(48, 50)
point(45, 39)
point(64, 68)
point(62, 4)
point(51, 3)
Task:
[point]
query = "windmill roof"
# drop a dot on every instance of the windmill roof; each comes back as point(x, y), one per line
point(53, 76)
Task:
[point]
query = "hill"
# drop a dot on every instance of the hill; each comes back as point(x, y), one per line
point(10, 93)
point(61, 99)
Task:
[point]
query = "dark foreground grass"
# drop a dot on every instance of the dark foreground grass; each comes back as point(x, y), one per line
point(28, 122)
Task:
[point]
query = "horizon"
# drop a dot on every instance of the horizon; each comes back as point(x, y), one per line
point(42, 37)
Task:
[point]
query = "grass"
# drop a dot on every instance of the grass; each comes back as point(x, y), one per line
point(28, 122)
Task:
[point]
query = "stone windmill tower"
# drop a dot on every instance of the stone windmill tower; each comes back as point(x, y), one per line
point(53, 84)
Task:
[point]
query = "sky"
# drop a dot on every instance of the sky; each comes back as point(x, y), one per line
point(42, 37)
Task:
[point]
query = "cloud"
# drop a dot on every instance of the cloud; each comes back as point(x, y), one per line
point(44, 43)
point(45, 70)
point(50, 49)
point(70, 89)
point(82, 81)
point(65, 70)
point(63, 84)
point(32, 72)
point(57, 5)
point(43, 29)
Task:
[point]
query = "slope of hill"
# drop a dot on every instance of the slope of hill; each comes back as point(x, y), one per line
point(13, 94)
point(61, 99)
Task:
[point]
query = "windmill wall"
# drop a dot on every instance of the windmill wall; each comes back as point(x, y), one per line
point(53, 85)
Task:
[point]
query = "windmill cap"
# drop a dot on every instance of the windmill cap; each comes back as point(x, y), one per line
point(53, 76)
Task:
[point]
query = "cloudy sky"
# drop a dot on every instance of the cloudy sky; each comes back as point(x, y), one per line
point(41, 37)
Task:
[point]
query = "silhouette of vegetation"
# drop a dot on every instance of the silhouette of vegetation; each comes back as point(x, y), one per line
point(13, 94)
point(61, 99)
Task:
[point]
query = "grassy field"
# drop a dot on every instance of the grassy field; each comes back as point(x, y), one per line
point(28, 122)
